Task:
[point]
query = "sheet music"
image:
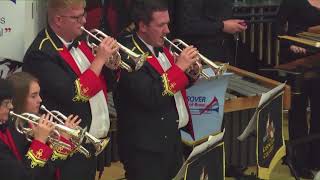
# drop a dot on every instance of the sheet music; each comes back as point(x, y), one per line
point(265, 97)
point(212, 140)
point(251, 127)
point(202, 147)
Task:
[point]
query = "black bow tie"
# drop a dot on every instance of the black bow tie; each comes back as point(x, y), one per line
point(157, 50)
point(74, 44)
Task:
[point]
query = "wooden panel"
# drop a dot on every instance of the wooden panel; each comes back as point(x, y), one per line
point(310, 62)
point(241, 103)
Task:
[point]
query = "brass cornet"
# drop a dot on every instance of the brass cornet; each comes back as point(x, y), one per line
point(53, 138)
point(196, 70)
point(99, 145)
point(115, 60)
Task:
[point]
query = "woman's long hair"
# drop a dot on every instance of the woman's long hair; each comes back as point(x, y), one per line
point(21, 82)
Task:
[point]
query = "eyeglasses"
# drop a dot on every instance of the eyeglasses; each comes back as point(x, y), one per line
point(6, 103)
point(78, 18)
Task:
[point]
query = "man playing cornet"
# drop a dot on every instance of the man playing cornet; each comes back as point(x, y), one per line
point(151, 102)
point(72, 79)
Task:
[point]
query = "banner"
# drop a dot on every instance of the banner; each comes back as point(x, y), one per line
point(209, 165)
point(270, 141)
point(206, 103)
point(20, 22)
point(205, 162)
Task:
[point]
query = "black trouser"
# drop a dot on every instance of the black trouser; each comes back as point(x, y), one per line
point(147, 165)
point(78, 167)
point(306, 154)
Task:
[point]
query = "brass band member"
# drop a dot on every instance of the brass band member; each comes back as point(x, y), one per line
point(71, 78)
point(306, 156)
point(20, 159)
point(209, 26)
point(151, 102)
point(26, 99)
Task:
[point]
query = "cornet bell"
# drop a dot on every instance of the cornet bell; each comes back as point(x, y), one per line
point(176, 46)
point(94, 38)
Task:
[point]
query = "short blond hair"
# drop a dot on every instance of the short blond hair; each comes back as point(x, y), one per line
point(57, 4)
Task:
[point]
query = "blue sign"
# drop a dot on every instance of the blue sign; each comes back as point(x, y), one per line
point(206, 104)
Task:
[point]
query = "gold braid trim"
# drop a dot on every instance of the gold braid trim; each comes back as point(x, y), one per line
point(36, 158)
point(167, 85)
point(80, 92)
point(136, 46)
point(58, 153)
point(52, 42)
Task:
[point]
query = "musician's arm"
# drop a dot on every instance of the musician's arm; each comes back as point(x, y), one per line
point(314, 29)
point(29, 167)
point(60, 153)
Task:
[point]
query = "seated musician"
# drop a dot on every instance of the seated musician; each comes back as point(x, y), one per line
point(302, 15)
point(151, 102)
point(25, 98)
point(297, 22)
point(20, 159)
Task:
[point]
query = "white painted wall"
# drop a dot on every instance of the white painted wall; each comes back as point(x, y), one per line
point(25, 18)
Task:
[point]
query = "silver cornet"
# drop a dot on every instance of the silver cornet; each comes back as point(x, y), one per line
point(196, 70)
point(99, 145)
point(53, 138)
point(115, 60)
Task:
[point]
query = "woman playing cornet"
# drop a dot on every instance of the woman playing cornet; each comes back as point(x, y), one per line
point(17, 155)
point(26, 99)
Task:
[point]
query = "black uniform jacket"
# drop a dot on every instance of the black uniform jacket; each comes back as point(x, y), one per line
point(63, 86)
point(147, 114)
point(27, 161)
point(200, 23)
point(300, 15)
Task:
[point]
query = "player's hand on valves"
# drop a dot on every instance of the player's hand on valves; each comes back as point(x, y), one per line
point(106, 49)
point(72, 122)
point(187, 57)
point(43, 129)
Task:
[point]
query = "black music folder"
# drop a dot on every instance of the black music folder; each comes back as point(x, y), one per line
point(267, 125)
point(205, 162)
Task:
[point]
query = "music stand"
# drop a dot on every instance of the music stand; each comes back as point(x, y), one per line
point(206, 161)
point(266, 124)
